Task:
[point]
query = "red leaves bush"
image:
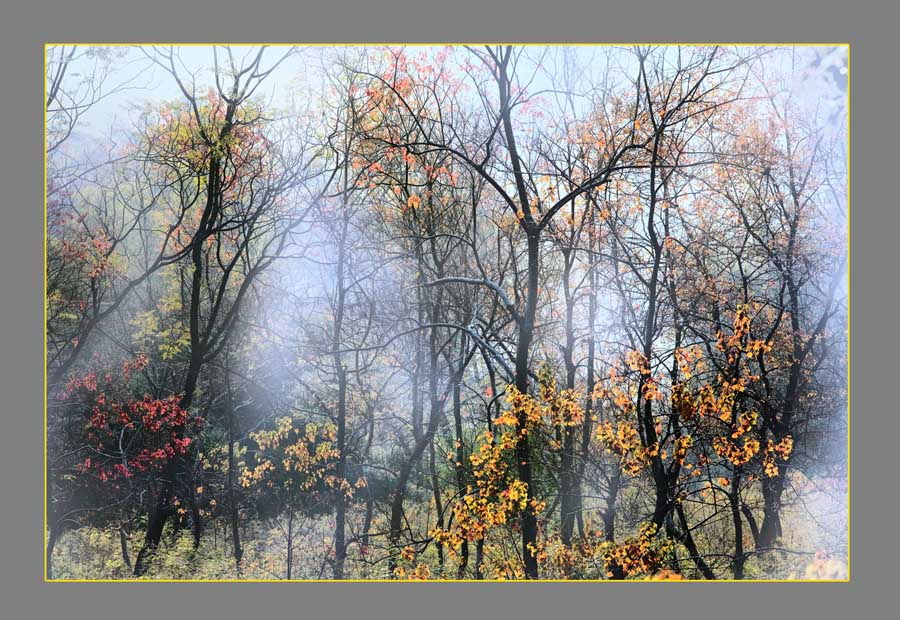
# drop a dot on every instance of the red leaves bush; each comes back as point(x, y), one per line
point(124, 436)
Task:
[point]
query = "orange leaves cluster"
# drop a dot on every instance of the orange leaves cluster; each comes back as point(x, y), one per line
point(740, 341)
point(666, 575)
point(782, 450)
point(719, 400)
point(690, 361)
point(737, 453)
point(636, 361)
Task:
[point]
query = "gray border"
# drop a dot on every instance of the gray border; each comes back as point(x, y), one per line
point(871, 32)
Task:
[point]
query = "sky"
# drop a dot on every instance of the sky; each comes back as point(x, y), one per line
point(820, 81)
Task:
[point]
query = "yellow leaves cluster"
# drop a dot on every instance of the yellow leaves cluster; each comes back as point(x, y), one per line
point(737, 452)
point(577, 559)
point(624, 440)
point(406, 570)
point(639, 555)
point(476, 514)
point(682, 402)
point(562, 407)
point(555, 408)
point(756, 348)
point(650, 389)
point(782, 450)
point(718, 400)
point(408, 554)
point(615, 391)
point(497, 496)
point(746, 422)
point(250, 477)
point(294, 454)
point(521, 407)
point(506, 568)
point(682, 445)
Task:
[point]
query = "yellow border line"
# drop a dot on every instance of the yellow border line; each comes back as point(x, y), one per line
point(411, 44)
point(44, 304)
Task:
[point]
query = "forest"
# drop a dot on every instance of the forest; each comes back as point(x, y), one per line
point(463, 312)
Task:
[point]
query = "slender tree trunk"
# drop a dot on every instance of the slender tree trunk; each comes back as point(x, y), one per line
point(751, 522)
point(609, 513)
point(459, 465)
point(479, 558)
point(396, 523)
point(523, 452)
point(691, 545)
point(735, 502)
point(290, 544)
point(123, 543)
point(237, 549)
point(52, 537)
point(156, 521)
point(434, 413)
point(438, 504)
point(211, 211)
point(396, 526)
point(587, 425)
point(164, 508)
point(370, 500)
point(567, 460)
point(340, 544)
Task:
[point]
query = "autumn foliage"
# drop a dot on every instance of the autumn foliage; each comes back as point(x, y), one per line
point(469, 312)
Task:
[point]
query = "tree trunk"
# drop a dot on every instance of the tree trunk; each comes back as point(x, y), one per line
point(523, 453)
point(438, 504)
point(459, 465)
point(52, 537)
point(123, 543)
point(340, 544)
point(691, 546)
point(290, 544)
point(735, 501)
point(237, 550)
point(403, 475)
